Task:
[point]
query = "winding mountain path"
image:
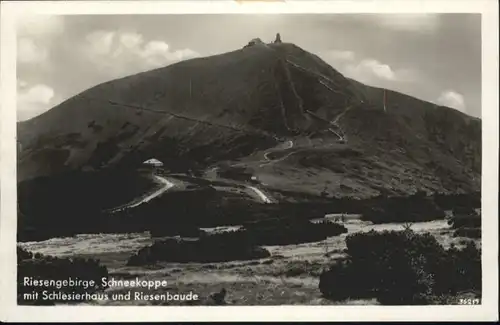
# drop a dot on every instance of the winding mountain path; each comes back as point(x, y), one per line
point(261, 194)
point(269, 161)
point(166, 186)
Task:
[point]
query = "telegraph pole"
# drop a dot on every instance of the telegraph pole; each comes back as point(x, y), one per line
point(385, 99)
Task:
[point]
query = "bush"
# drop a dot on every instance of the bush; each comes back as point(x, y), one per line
point(42, 267)
point(459, 271)
point(242, 244)
point(465, 217)
point(451, 201)
point(299, 268)
point(208, 249)
point(413, 208)
point(23, 254)
point(290, 232)
point(342, 282)
point(45, 202)
point(182, 230)
point(401, 268)
point(466, 221)
point(467, 232)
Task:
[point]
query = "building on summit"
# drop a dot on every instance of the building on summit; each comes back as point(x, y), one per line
point(253, 42)
point(258, 41)
point(278, 38)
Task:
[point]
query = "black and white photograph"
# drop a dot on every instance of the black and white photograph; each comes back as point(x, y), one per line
point(250, 159)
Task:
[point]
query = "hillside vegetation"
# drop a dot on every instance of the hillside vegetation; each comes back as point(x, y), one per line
point(237, 106)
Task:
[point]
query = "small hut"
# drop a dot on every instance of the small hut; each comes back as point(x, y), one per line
point(152, 164)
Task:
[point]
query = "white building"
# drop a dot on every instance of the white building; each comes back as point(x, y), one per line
point(153, 162)
point(152, 165)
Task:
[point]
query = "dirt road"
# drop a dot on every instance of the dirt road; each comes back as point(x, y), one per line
point(166, 186)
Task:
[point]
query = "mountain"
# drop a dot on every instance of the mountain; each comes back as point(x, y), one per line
point(274, 110)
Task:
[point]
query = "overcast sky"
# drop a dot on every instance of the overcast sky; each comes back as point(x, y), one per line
point(433, 57)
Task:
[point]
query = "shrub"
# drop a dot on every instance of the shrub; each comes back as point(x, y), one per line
point(417, 207)
point(300, 268)
point(45, 202)
point(290, 232)
point(466, 221)
point(395, 261)
point(23, 254)
point(465, 217)
point(467, 232)
point(401, 268)
point(342, 281)
point(458, 271)
point(242, 244)
point(42, 267)
point(183, 230)
point(451, 201)
point(208, 249)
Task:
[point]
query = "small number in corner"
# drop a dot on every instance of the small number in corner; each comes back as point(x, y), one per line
point(469, 301)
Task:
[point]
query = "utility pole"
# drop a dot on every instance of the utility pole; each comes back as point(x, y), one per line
point(385, 99)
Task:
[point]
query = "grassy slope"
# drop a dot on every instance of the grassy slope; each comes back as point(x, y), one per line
point(91, 129)
point(241, 103)
point(415, 145)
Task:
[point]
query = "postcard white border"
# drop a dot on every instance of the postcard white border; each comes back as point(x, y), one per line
point(9, 311)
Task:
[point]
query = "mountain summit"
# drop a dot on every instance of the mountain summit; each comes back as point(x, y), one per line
point(274, 109)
